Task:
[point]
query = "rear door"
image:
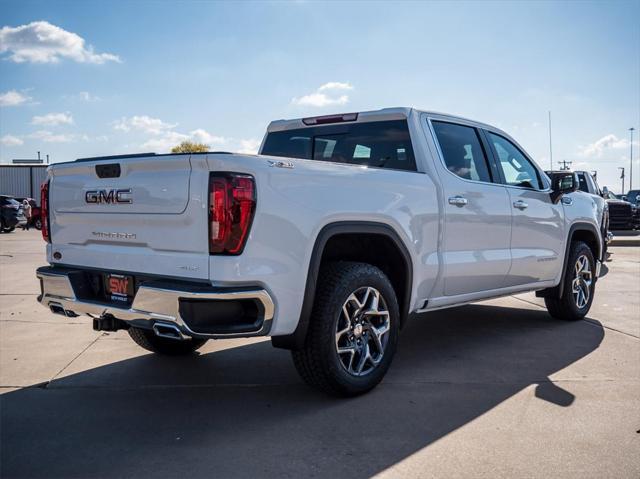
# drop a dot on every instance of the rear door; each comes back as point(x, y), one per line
point(477, 215)
point(137, 214)
point(538, 232)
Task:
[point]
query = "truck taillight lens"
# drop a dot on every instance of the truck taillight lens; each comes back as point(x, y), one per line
point(44, 211)
point(232, 202)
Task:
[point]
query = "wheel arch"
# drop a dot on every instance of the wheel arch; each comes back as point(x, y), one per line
point(579, 231)
point(348, 235)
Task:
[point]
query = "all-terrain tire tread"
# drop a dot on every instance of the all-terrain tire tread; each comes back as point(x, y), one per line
point(563, 307)
point(312, 362)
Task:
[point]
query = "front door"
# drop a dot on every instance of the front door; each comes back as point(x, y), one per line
point(537, 236)
point(477, 213)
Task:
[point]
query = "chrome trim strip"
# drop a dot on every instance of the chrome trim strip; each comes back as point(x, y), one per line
point(150, 304)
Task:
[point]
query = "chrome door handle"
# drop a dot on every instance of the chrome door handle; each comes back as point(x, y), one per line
point(458, 201)
point(521, 205)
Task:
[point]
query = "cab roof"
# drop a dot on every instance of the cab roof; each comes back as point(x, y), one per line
point(394, 113)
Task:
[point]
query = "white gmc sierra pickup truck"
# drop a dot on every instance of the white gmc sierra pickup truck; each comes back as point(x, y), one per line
point(340, 229)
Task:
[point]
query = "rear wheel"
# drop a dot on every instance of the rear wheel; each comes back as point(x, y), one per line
point(353, 331)
point(148, 340)
point(37, 224)
point(579, 285)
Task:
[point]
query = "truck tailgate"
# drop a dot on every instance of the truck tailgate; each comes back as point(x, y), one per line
point(138, 214)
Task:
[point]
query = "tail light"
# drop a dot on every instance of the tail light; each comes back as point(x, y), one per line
point(232, 202)
point(44, 211)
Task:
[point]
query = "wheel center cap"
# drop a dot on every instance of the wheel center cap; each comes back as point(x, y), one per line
point(357, 330)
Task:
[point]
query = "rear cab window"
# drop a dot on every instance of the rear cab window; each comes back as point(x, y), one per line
point(379, 144)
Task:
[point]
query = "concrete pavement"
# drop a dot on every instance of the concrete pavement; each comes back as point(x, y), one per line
point(497, 389)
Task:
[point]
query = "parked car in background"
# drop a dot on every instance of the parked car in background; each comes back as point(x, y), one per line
point(36, 220)
point(11, 214)
point(633, 197)
point(622, 214)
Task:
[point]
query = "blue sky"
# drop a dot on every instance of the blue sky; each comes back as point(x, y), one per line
point(117, 77)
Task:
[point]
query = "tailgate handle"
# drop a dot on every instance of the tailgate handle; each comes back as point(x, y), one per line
point(110, 170)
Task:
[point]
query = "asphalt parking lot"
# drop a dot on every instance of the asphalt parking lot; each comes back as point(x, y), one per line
point(497, 389)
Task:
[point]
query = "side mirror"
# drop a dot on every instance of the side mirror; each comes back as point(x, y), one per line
point(563, 183)
point(624, 197)
point(605, 192)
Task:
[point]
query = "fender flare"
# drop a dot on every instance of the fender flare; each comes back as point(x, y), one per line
point(557, 291)
point(297, 339)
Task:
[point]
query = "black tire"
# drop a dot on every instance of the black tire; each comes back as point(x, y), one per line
point(8, 230)
point(37, 224)
point(566, 307)
point(148, 340)
point(318, 362)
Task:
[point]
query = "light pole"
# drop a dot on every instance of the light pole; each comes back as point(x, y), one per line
point(622, 176)
point(631, 160)
point(550, 144)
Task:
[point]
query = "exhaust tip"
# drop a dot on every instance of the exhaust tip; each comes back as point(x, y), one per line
point(169, 331)
point(56, 308)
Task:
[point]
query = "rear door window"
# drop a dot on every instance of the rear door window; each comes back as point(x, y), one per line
point(380, 144)
point(462, 151)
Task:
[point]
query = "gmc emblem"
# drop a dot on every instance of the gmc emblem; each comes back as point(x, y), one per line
point(108, 196)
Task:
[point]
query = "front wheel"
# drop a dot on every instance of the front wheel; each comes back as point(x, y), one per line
point(353, 331)
point(579, 285)
point(148, 340)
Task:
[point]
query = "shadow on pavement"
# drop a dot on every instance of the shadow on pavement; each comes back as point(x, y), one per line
point(243, 412)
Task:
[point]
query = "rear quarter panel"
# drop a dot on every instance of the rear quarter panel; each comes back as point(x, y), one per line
point(294, 204)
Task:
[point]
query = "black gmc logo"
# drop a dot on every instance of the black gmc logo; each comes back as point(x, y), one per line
point(108, 196)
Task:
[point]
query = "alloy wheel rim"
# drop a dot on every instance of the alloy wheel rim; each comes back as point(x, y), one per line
point(581, 284)
point(362, 331)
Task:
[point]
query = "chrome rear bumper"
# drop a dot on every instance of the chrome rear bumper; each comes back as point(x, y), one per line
point(152, 304)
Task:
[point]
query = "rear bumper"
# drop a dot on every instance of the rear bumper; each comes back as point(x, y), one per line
point(162, 303)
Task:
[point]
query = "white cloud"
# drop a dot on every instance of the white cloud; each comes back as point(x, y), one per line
point(331, 93)
point(249, 146)
point(53, 119)
point(49, 137)
point(168, 139)
point(164, 136)
point(144, 123)
point(608, 142)
point(13, 98)
point(335, 85)
point(88, 97)
point(164, 143)
point(202, 136)
point(10, 140)
point(42, 42)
